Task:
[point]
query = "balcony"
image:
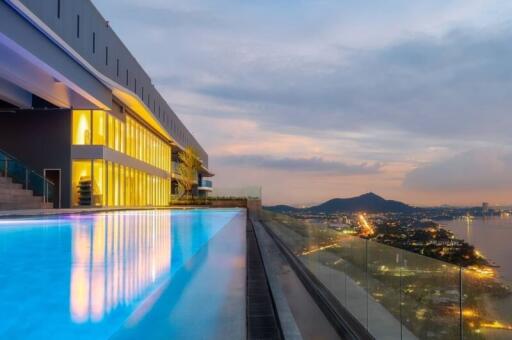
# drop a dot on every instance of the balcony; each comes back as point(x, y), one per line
point(205, 185)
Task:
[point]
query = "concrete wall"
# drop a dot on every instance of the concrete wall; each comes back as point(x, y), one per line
point(40, 139)
point(236, 203)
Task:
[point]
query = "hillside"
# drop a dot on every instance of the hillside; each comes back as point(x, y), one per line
point(369, 202)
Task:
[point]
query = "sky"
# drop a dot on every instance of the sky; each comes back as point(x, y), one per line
point(315, 99)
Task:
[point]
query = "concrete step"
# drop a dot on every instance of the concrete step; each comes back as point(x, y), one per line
point(5, 179)
point(16, 192)
point(46, 205)
point(10, 186)
point(20, 199)
point(14, 197)
point(21, 206)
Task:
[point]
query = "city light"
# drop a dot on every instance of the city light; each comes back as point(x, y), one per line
point(481, 272)
point(367, 229)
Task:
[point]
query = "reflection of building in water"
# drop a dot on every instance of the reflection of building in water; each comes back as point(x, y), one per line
point(116, 260)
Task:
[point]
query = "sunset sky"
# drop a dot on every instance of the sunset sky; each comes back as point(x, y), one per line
point(315, 99)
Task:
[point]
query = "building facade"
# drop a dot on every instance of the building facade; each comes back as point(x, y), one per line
point(77, 106)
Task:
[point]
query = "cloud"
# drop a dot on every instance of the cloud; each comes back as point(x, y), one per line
point(456, 86)
point(315, 164)
point(326, 86)
point(480, 169)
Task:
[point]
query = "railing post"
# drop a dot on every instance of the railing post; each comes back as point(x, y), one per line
point(461, 304)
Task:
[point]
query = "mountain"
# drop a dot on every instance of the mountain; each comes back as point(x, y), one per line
point(369, 202)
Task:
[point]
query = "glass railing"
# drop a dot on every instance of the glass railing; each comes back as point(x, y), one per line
point(206, 183)
point(28, 178)
point(395, 293)
point(250, 193)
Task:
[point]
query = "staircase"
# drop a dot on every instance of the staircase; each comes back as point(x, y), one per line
point(14, 197)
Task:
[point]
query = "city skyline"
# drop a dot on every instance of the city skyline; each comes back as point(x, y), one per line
point(320, 99)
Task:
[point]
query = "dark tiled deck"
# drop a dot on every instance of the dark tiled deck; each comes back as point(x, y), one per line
point(262, 322)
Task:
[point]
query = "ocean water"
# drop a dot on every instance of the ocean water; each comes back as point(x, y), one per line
point(492, 236)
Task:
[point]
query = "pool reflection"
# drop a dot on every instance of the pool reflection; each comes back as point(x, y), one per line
point(117, 259)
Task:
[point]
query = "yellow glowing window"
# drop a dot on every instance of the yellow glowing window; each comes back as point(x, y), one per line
point(99, 183)
point(117, 135)
point(81, 127)
point(111, 132)
point(110, 179)
point(116, 184)
point(81, 182)
point(128, 187)
point(129, 137)
point(122, 137)
point(99, 133)
point(122, 183)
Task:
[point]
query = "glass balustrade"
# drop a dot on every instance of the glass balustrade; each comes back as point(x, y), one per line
point(395, 293)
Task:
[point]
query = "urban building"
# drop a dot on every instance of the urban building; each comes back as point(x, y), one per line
point(78, 108)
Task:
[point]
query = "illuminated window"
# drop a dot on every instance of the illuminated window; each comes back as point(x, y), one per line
point(115, 179)
point(99, 128)
point(99, 183)
point(81, 127)
point(111, 132)
point(110, 179)
point(122, 137)
point(117, 134)
point(81, 182)
point(122, 182)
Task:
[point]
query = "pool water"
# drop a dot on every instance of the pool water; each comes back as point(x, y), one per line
point(84, 276)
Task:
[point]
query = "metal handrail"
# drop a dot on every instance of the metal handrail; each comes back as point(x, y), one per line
point(47, 184)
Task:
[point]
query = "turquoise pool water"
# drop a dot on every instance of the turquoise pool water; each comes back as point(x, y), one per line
point(84, 276)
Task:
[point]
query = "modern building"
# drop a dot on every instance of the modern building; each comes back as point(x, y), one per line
point(78, 108)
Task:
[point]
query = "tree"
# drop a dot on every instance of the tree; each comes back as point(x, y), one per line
point(187, 170)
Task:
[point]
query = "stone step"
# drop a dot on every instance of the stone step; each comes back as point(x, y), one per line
point(10, 186)
point(5, 179)
point(21, 206)
point(14, 198)
point(16, 192)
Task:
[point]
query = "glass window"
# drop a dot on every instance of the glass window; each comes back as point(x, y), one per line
point(110, 180)
point(99, 128)
point(99, 185)
point(122, 136)
point(122, 183)
point(111, 132)
point(81, 183)
point(129, 137)
point(81, 127)
point(116, 184)
point(117, 137)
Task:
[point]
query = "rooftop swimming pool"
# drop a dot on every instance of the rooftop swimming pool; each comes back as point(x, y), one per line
point(157, 274)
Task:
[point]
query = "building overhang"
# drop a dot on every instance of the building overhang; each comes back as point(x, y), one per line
point(124, 95)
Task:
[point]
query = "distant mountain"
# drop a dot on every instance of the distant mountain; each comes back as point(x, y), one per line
point(369, 202)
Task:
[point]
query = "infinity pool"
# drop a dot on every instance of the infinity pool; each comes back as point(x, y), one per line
point(120, 274)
